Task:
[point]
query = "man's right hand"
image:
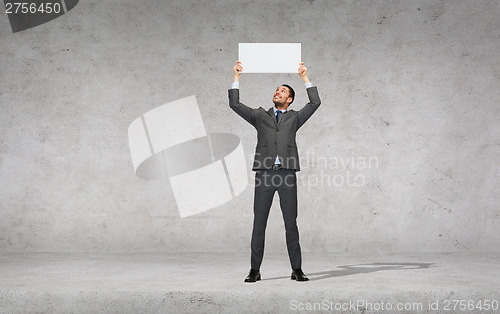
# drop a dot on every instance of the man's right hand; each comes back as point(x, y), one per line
point(237, 71)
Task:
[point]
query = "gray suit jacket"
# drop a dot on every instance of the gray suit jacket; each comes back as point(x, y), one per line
point(275, 138)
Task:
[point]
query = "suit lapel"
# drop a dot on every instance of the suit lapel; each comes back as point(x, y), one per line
point(271, 113)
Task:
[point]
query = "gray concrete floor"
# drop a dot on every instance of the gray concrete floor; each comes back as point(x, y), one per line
point(209, 282)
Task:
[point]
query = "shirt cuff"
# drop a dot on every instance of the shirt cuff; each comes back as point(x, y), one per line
point(236, 85)
point(308, 84)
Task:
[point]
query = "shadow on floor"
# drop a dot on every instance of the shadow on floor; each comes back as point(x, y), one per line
point(346, 270)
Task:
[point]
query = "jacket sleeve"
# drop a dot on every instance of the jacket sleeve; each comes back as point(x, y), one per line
point(305, 113)
point(245, 112)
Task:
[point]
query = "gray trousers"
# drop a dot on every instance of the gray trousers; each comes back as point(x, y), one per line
point(267, 182)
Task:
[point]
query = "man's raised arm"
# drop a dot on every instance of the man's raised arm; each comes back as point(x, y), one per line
point(245, 112)
point(312, 92)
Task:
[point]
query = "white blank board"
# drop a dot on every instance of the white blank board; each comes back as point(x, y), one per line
point(270, 57)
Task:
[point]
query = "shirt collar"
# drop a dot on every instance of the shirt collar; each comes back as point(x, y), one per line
point(275, 109)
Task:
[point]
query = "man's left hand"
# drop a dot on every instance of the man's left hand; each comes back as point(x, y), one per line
point(303, 72)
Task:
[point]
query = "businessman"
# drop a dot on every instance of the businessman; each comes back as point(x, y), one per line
point(275, 164)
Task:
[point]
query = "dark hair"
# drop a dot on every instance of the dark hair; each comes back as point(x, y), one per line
point(292, 92)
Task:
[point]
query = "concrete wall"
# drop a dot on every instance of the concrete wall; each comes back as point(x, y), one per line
point(410, 115)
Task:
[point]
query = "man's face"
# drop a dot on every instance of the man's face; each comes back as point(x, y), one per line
point(282, 97)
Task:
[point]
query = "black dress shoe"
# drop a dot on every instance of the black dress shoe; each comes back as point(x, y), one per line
point(253, 276)
point(298, 275)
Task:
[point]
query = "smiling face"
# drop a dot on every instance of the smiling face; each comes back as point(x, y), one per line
point(282, 98)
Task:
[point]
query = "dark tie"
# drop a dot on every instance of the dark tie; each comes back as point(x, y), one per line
point(278, 112)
